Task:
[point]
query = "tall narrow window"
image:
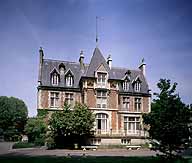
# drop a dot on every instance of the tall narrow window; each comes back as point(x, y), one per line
point(55, 79)
point(126, 103)
point(137, 104)
point(69, 98)
point(101, 122)
point(101, 79)
point(69, 80)
point(125, 85)
point(132, 125)
point(101, 99)
point(54, 98)
point(137, 86)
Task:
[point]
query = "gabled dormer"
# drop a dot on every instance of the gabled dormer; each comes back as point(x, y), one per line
point(69, 78)
point(137, 84)
point(101, 75)
point(126, 81)
point(54, 77)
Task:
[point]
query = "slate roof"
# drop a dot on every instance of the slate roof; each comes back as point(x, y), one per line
point(97, 59)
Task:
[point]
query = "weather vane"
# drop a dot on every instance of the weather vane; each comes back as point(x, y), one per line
point(97, 38)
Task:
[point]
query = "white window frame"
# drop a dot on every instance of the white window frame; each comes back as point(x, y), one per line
point(138, 104)
point(101, 79)
point(126, 102)
point(137, 86)
point(69, 98)
point(132, 125)
point(125, 85)
point(101, 99)
point(69, 80)
point(54, 99)
point(101, 122)
point(54, 79)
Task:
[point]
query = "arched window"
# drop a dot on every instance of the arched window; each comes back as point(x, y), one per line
point(137, 86)
point(69, 80)
point(101, 122)
point(126, 85)
point(54, 78)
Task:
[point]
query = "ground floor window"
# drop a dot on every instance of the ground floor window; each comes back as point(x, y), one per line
point(132, 124)
point(101, 122)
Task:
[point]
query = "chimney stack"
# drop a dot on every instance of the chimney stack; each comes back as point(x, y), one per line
point(109, 61)
point(81, 59)
point(143, 66)
point(41, 55)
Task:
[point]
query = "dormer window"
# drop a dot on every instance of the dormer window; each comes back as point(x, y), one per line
point(55, 78)
point(69, 80)
point(101, 79)
point(125, 85)
point(137, 86)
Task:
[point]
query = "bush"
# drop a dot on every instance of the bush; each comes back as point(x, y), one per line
point(23, 145)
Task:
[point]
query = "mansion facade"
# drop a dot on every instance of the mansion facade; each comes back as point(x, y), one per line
point(117, 96)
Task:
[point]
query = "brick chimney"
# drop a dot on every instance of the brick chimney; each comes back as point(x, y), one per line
point(41, 55)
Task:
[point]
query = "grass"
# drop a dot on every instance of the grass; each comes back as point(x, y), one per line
point(49, 159)
point(23, 145)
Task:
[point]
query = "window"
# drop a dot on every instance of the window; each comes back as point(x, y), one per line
point(132, 124)
point(137, 86)
point(125, 85)
point(125, 102)
point(54, 99)
point(69, 98)
point(69, 80)
point(125, 141)
point(55, 79)
point(101, 79)
point(101, 99)
point(137, 104)
point(101, 122)
point(95, 141)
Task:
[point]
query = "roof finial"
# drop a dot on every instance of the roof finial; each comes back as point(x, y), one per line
point(143, 60)
point(96, 30)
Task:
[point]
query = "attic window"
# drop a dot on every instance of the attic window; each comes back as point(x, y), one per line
point(101, 78)
point(126, 85)
point(55, 78)
point(137, 86)
point(69, 80)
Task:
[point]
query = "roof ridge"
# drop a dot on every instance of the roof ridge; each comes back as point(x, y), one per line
point(55, 60)
point(123, 68)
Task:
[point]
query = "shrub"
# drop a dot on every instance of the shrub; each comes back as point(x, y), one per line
point(23, 145)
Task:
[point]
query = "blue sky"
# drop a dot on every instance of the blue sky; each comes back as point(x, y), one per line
point(158, 30)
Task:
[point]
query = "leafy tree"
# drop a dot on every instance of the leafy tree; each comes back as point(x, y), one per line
point(13, 117)
point(168, 121)
point(36, 129)
point(71, 125)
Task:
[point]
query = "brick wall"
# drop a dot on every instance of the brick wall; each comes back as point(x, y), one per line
point(43, 101)
point(112, 100)
point(146, 103)
point(90, 98)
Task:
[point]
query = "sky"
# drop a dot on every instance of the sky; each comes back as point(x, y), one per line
point(158, 30)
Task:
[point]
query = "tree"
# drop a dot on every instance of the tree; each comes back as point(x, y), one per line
point(71, 126)
point(168, 121)
point(36, 129)
point(13, 117)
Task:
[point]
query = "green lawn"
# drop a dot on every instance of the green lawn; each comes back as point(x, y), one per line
point(49, 159)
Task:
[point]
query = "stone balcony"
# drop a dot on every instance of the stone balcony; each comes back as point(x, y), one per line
point(120, 133)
